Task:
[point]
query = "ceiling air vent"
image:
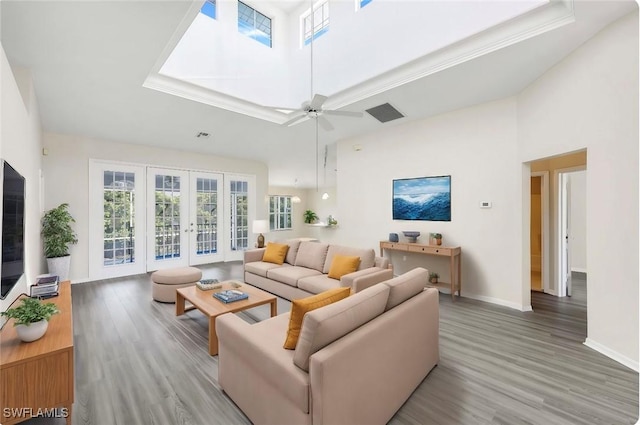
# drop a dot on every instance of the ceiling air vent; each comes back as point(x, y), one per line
point(385, 113)
point(202, 135)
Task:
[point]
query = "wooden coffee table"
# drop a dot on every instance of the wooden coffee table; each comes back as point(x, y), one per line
point(212, 307)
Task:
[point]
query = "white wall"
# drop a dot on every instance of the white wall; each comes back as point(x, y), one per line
point(20, 145)
point(590, 100)
point(66, 178)
point(477, 146)
point(578, 222)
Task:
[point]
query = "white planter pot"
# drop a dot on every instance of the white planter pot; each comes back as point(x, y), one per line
point(59, 266)
point(32, 332)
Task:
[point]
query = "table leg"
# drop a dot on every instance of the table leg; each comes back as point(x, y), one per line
point(459, 275)
point(453, 280)
point(68, 417)
point(179, 304)
point(274, 308)
point(213, 337)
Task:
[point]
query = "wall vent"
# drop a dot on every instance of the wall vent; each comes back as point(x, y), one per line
point(384, 113)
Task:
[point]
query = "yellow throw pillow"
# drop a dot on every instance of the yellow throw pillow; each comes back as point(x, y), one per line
point(301, 306)
point(275, 253)
point(342, 264)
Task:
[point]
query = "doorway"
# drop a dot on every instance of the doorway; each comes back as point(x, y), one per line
point(545, 182)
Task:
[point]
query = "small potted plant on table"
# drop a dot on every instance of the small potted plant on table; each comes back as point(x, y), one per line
point(31, 318)
point(433, 277)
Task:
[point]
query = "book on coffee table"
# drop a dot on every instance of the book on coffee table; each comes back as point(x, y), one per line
point(230, 295)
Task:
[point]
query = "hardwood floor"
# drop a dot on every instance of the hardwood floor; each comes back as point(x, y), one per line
point(137, 363)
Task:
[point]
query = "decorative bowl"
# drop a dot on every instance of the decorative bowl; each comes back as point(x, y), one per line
point(412, 236)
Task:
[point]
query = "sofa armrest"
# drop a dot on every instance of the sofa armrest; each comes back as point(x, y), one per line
point(362, 279)
point(246, 354)
point(382, 262)
point(253, 255)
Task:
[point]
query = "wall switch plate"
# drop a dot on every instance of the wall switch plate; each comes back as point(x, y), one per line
point(485, 204)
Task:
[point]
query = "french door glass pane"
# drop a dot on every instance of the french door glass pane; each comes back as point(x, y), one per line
point(239, 215)
point(207, 216)
point(167, 217)
point(119, 218)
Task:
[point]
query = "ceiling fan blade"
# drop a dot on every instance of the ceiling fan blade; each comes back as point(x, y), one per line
point(317, 101)
point(294, 120)
point(324, 123)
point(344, 113)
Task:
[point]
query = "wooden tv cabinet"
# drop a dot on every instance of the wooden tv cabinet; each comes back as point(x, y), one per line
point(36, 377)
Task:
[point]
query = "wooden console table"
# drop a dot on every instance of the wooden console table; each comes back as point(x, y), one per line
point(36, 377)
point(453, 252)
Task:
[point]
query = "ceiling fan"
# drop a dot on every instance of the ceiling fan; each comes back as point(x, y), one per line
point(313, 109)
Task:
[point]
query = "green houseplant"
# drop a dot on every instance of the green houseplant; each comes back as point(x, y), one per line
point(433, 277)
point(310, 216)
point(31, 318)
point(57, 235)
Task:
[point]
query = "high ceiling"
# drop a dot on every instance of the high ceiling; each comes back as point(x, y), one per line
point(89, 61)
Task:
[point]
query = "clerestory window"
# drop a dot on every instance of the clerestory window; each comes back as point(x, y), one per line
point(315, 24)
point(254, 24)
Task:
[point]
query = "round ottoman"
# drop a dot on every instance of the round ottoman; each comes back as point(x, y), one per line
point(165, 282)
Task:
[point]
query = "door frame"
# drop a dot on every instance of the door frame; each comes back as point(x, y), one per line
point(544, 198)
point(562, 203)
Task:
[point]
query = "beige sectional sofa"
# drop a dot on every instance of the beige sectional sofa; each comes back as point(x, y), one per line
point(306, 267)
point(356, 361)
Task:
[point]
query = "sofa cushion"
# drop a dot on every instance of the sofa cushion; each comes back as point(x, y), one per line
point(275, 253)
point(294, 245)
point(301, 306)
point(323, 326)
point(312, 255)
point(318, 283)
point(343, 264)
point(261, 268)
point(367, 256)
point(406, 286)
point(290, 274)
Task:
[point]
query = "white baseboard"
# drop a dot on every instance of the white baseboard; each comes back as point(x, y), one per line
point(624, 360)
point(579, 270)
point(551, 292)
point(498, 301)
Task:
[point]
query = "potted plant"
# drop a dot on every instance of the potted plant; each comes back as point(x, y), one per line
point(57, 235)
point(433, 277)
point(310, 217)
point(437, 238)
point(31, 318)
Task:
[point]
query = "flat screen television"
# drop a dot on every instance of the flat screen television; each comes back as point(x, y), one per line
point(422, 198)
point(12, 228)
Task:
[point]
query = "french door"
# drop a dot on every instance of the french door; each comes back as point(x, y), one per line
point(150, 218)
point(116, 239)
point(184, 213)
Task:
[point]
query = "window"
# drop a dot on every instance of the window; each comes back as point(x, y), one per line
point(209, 8)
point(280, 212)
point(119, 218)
point(254, 24)
point(320, 23)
